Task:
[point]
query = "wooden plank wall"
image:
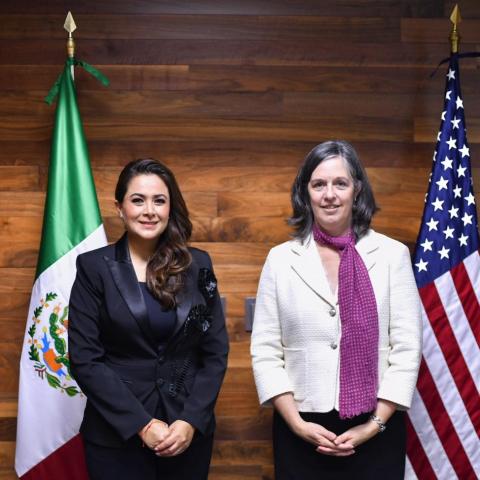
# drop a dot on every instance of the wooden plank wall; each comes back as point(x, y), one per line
point(231, 94)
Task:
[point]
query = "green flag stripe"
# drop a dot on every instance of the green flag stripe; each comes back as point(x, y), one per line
point(71, 207)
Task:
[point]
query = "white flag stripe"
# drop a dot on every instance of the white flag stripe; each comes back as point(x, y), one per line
point(58, 419)
point(409, 472)
point(62, 272)
point(472, 265)
point(460, 325)
point(429, 439)
point(449, 393)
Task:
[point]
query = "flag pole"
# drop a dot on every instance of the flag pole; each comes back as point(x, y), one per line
point(455, 18)
point(70, 27)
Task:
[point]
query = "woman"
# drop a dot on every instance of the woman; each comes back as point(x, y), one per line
point(337, 331)
point(147, 338)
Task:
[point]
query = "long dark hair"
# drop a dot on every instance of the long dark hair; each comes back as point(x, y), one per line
point(166, 269)
point(363, 208)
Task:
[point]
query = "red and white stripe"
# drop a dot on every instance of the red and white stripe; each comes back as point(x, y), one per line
point(444, 421)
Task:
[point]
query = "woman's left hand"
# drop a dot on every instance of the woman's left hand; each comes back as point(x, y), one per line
point(180, 434)
point(353, 437)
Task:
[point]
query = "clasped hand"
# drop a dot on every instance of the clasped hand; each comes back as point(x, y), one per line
point(167, 440)
point(336, 445)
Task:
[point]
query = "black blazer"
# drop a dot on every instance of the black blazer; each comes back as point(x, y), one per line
point(127, 378)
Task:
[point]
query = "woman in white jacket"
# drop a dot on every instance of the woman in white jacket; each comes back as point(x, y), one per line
point(336, 340)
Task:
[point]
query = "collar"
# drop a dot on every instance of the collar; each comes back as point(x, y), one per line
point(308, 266)
point(125, 278)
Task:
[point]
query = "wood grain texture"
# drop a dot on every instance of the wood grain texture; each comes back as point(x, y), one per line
point(273, 129)
point(8, 405)
point(237, 178)
point(13, 325)
point(468, 8)
point(200, 204)
point(429, 30)
point(234, 78)
point(227, 452)
point(16, 280)
point(21, 178)
point(199, 27)
point(232, 7)
point(8, 429)
point(229, 52)
point(9, 369)
point(23, 253)
point(7, 457)
point(238, 395)
point(217, 179)
point(242, 428)
point(133, 106)
point(236, 472)
point(237, 278)
point(426, 129)
point(236, 253)
point(231, 96)
point(218, 153)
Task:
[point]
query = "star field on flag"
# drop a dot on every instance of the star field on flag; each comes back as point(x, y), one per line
point(449, 231)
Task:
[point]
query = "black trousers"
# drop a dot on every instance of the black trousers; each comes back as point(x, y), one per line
point(136, 462)
point(382, 457)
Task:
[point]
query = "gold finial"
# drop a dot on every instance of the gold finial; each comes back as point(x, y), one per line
point(70, 27)
point(455, 18)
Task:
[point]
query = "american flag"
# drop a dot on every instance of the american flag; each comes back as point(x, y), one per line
point(444, 421)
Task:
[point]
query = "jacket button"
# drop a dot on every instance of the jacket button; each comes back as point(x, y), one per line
point(333, 345)
point(160, 382)
point(332, 312)
point(161, 359)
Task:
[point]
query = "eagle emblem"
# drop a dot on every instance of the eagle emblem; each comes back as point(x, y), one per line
point(47, 345)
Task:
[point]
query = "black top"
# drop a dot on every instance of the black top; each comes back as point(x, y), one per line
point(127, 377)
point(162, 321)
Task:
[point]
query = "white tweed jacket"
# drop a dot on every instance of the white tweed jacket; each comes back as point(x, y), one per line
point(296, 329)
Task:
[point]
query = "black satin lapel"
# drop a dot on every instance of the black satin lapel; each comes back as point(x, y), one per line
point(186, 296)
point(127, 283)
point(122, 253)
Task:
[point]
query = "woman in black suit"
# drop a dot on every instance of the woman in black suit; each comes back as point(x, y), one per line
point(147, 338)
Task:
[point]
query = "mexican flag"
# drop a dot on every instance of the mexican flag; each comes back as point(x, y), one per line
point(50, 404)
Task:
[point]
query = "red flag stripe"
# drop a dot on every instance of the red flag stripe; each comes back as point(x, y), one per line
point(417, 456)
point(67, 462)
point(428, 436)
point(451, 351)
point(450, 396)
point(443, 425)
point(468, 298)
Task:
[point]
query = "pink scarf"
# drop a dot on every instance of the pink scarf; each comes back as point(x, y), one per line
point(359, 318)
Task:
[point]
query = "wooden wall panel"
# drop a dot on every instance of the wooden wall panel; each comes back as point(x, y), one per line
point(352, 8)
point(200, 27)
point(469, 8)
point(421, 30)
point(231, 95)
point(106, 129)
point(229, 52)
point(237, 78)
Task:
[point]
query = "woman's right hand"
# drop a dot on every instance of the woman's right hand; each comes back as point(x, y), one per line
point(321, 437)
point(309, 431)
point(153, 433)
